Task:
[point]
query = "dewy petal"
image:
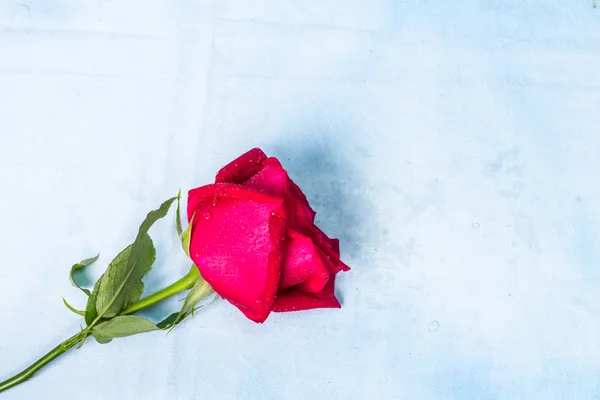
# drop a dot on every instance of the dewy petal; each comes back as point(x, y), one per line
point(303, 265)
point(297, 195)
point(335, 245)
point(214, 192)
point(330, 247)
point(301, 218)
point(242, 168)
point(236, 242)
point(297, 300)
point(271, 179)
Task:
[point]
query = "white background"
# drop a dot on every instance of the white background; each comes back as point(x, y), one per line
point(453, 147)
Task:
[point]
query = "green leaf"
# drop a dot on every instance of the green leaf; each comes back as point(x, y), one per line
point(121, 284)
point(178, 226)
point(174, 319)
point(90, 310)
point(186, 236)
point(101, 338)
point(82, 313)
point(152, 217)
point(122, 326)
point(200, 291)
point(84, 335)
point(78, 266)
point(182, 317)
point(169, 321)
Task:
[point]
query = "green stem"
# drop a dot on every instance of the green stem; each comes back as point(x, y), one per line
point(183, 284)
point(53, 354)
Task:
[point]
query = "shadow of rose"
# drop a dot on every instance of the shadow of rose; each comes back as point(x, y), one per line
point(333, 186)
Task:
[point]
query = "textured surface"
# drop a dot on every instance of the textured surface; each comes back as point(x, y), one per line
point(453, 147)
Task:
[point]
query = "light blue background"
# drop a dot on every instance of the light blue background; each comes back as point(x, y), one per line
point(452, 146)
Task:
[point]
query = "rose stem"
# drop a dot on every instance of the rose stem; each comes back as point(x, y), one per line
point(183, 284)
point(28, 373)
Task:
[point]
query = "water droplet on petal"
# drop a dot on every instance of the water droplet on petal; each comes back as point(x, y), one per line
point(215, 201)
point(259, 301)
point(207, 215)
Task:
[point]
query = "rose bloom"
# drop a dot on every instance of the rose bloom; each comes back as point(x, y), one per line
point(254, 239)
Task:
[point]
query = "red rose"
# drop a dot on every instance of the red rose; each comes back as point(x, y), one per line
point(254, 240)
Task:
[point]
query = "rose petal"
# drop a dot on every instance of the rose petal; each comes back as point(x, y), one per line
point(303, 265)
point(272, 179)
point(242, 168)
point(301, 218)
point(297, 300)
point(296, 194)
point(329, 246)
point(335, 245)
point(214, 192)
point(236, 244)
